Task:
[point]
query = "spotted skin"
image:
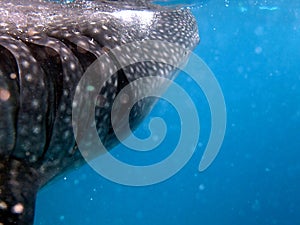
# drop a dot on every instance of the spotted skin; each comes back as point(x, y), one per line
point(45, 48)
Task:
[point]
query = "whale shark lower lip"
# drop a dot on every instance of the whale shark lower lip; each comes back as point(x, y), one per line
point(45, 47)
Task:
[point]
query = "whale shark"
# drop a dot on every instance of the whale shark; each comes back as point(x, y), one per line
point(45, 48)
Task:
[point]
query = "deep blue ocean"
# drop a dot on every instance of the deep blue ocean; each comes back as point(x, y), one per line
point(253, 49)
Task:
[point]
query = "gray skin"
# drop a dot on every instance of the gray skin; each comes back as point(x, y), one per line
point(45, 48)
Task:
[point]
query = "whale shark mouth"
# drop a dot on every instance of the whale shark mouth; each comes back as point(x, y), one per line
point(45, 48)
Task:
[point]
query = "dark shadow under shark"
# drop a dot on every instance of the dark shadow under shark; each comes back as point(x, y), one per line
point(45, 48)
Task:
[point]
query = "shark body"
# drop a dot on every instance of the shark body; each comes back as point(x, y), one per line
point(45, 48)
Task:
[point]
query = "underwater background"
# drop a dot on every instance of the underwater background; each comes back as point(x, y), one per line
point(253, 48)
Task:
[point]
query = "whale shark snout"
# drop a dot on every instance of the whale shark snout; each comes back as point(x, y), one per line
point(45, 48)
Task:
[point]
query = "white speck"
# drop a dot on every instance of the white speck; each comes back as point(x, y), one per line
point(18, 208)
point(74, 104)
point(13, 76)
point(28, 77)
point(243, 9)
point(269, 8)
point(107, 37)
point(104, 27)
point(201, 187)
point(61, 217)
point(13, 46)
point(124, 98)
point(65, 50)
point(3, 205)
point(76, 182)
point(32, 159)
point(39, 118)
point(200, 144)
point(90, 88)
point(25, 64)
point(258, 50)
point(72, 66)
point(35, 103)
point(62, 107)
point(96, 30)
point(66, 92)
point(4, 94)
point(227, 3)
point(36, 130)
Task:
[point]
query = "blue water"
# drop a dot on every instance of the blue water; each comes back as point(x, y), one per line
point(254, 51)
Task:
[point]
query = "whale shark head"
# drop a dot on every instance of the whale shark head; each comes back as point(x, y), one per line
point(45, 49)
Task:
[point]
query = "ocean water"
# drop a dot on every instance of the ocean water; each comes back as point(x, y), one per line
point(253, 49)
